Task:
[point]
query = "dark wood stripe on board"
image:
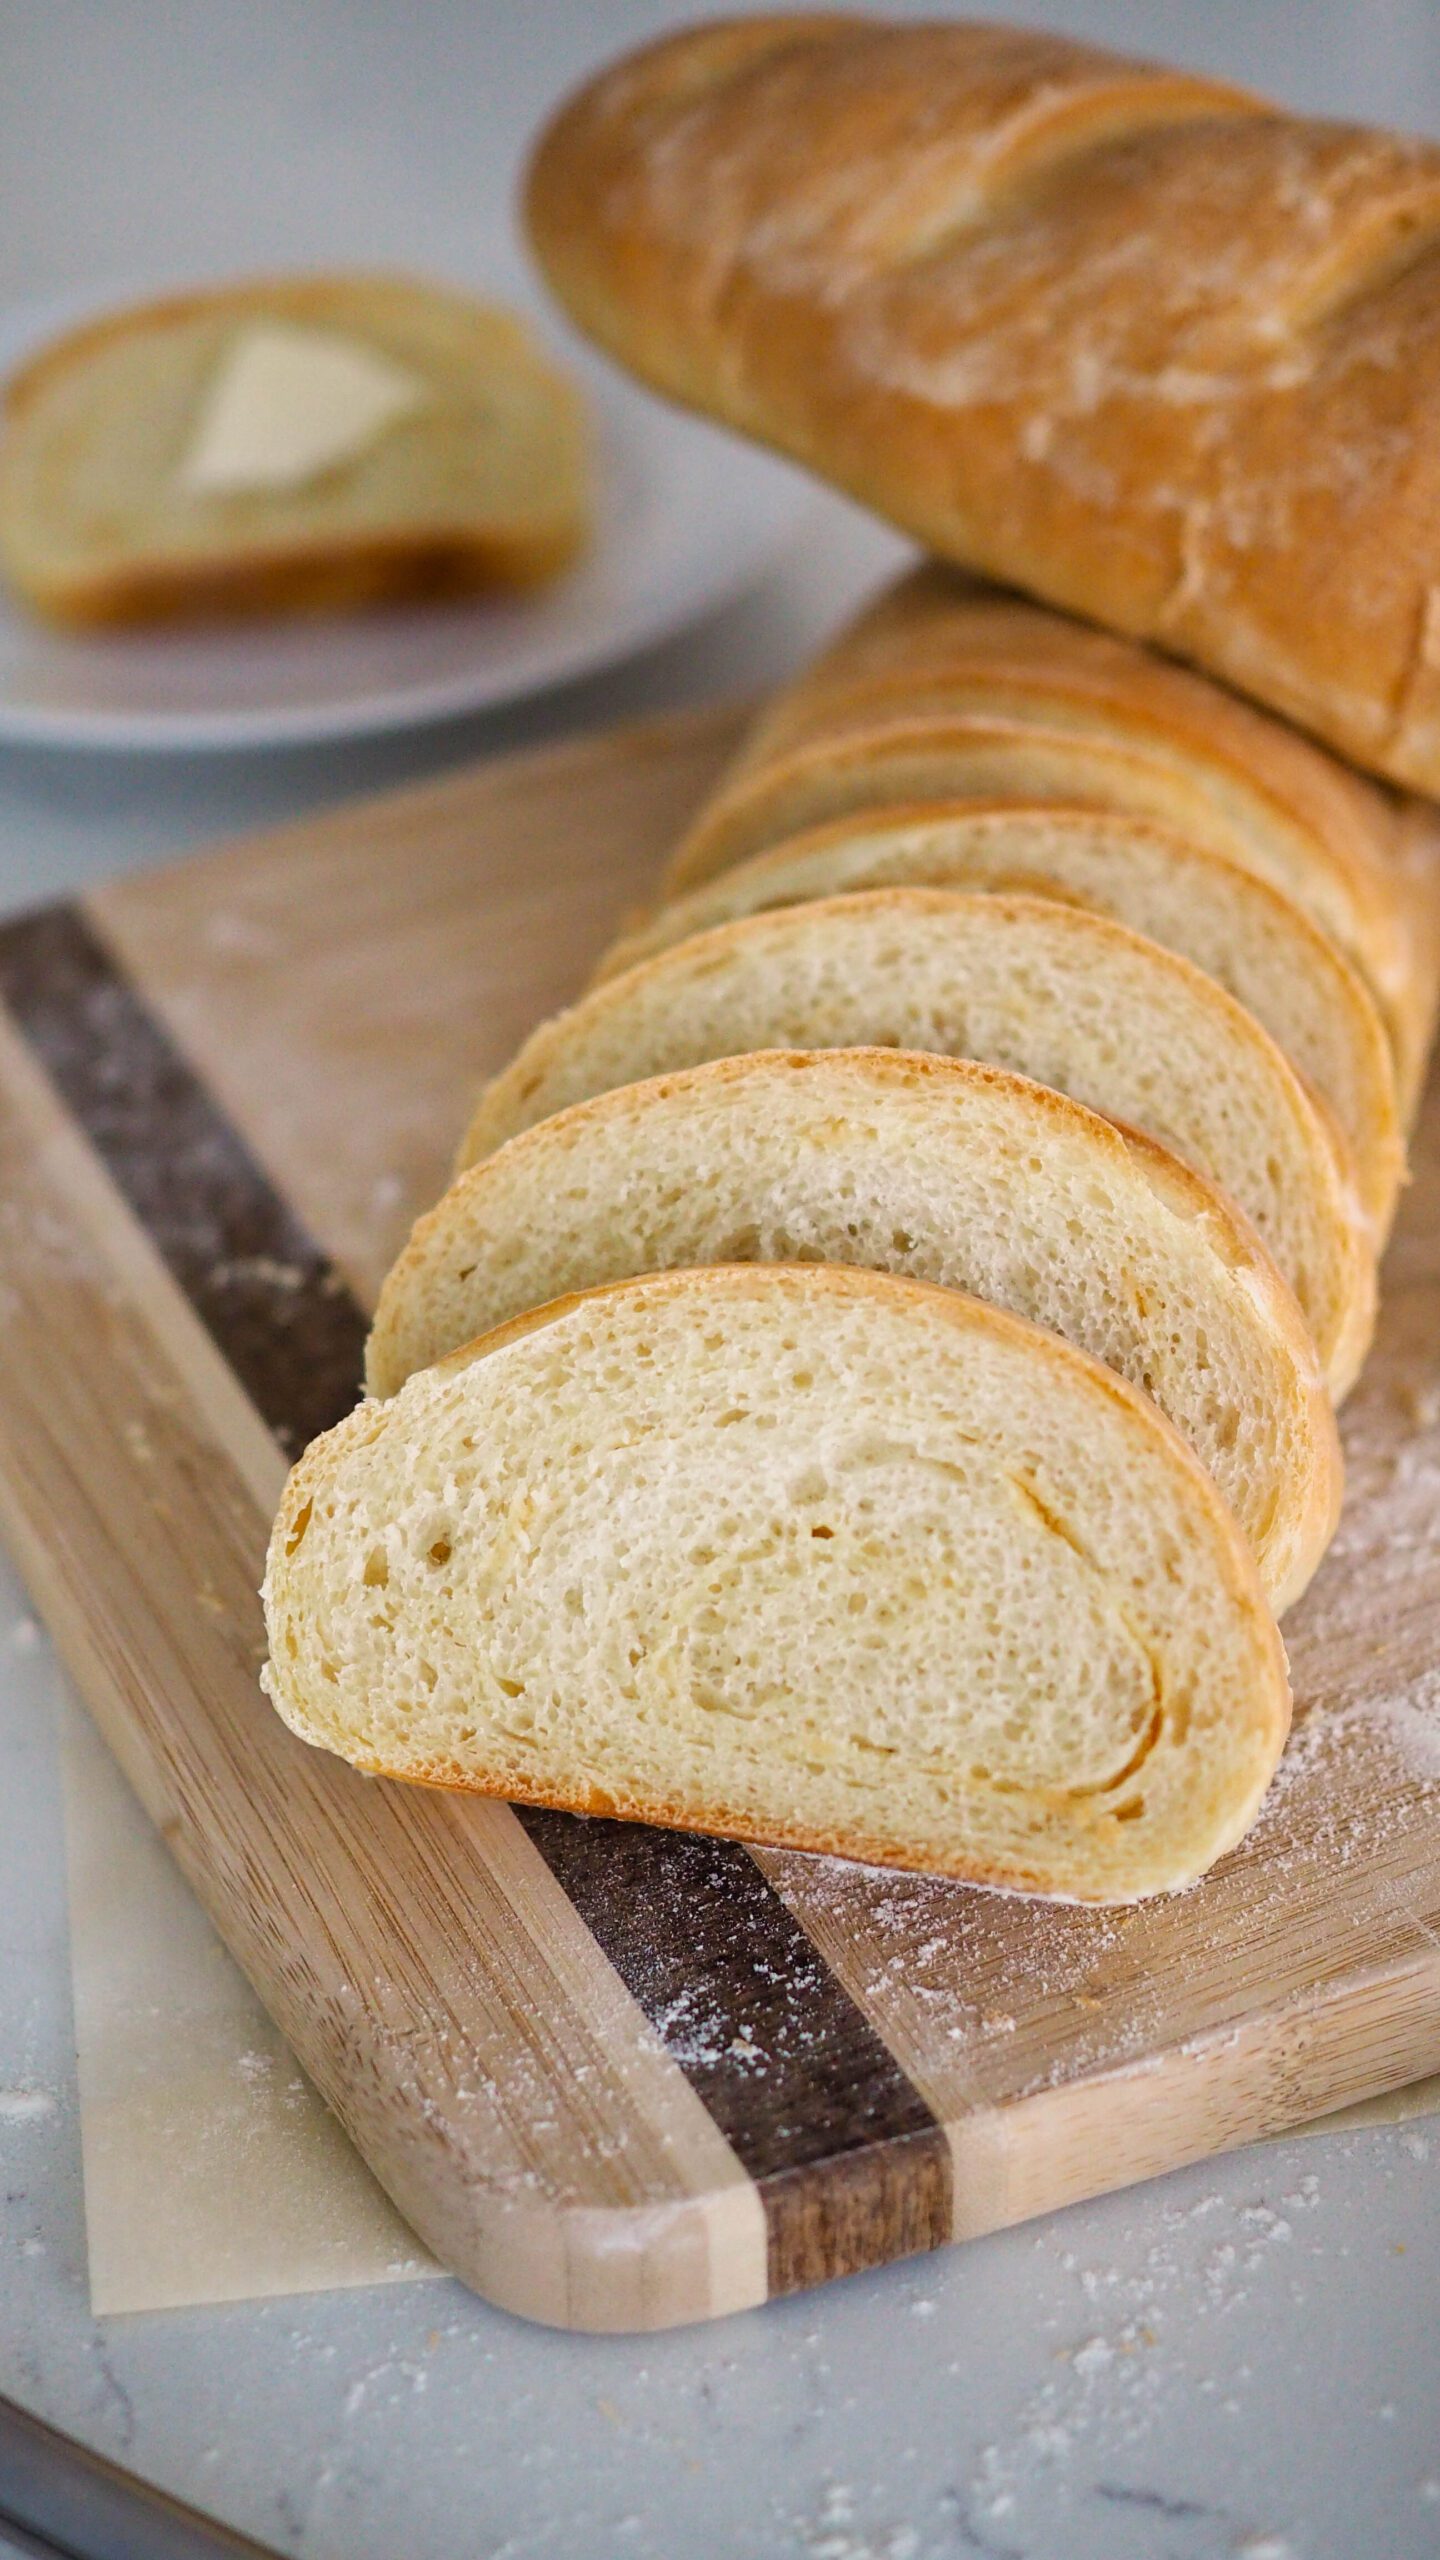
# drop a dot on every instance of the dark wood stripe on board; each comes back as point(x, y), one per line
point(789, 2068)
point(850, 2160)
point(269, 1298)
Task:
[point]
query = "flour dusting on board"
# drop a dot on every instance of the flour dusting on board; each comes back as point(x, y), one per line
point(1410, 1723)
point(1364, 1752)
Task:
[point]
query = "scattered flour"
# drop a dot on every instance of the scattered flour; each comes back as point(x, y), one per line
point(1410, 1723)
point(1157, 2322)
point(834, 2534)
point(26, 2106)
point(401, 2371)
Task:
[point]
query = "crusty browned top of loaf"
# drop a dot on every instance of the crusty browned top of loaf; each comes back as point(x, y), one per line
point(1128, 338)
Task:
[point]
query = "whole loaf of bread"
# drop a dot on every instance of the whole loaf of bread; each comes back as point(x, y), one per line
point(1127, 338)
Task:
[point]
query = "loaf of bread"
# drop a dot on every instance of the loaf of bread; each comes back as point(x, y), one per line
point(815, 1557)
point(1126, 338)
point(943, 689)
point(1071, 999)
point(310, 443)
point(940, 1170)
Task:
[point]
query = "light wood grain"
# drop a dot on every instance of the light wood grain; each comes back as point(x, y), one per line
point(347, 984)
point(341, 987)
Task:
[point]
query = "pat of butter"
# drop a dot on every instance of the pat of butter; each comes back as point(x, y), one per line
point(288, 404)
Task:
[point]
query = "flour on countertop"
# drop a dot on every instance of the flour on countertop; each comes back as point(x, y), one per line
point(834, 2533)
point(26, 2106)
point(1094, 2422)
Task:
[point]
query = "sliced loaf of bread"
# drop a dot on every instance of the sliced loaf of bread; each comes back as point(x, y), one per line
point(814, 1557)
point(1249, 936)
point(1054, 992)
point(924, 1166)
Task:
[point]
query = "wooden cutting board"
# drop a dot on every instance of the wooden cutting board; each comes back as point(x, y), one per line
point(614, 2077)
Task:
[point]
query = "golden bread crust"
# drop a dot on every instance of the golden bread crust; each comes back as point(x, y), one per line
point(561, 1063)
point(1055, 314)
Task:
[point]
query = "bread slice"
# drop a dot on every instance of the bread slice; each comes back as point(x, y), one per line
point(947, 689)
point(1066, 997)
point(944, 1171)
point(1253, 939)
point(483, 482)
point(813, 1557)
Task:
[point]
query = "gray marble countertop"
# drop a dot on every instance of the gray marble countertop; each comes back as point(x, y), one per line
point(1242, 2359)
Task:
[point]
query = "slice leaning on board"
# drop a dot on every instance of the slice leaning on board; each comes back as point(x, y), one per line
point(931, 1167)
point(812, 1556)
point(1068, 999)
point(1257, 944)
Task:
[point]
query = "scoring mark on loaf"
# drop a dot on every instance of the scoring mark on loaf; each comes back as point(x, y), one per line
point(852, 2164)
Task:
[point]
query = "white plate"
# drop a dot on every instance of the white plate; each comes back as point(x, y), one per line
point(688, 518)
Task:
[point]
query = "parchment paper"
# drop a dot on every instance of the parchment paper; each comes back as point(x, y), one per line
point(213, 2171)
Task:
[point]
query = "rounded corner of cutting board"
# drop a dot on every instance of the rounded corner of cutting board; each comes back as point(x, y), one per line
point(611, 2267)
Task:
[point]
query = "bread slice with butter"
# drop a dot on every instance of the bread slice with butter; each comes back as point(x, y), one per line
point(931, 1167)
point(817, 1557)
point(298, 444)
